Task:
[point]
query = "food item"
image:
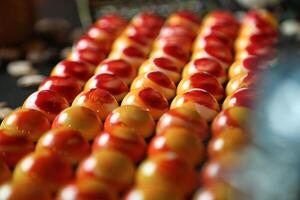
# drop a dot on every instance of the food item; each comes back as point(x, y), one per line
point(142, 193)
point(44, 169)
point(161, 64)
point(123, 139)
point(108, 82)
point(131, 116)
point(243, 97)
point(67, 143)
point(88, 55)
point(98, 100)
point(26, 122)
point(4, 172)
point(48, 102)
point(185, 118)
point(204, 81)
point(149, 99)
point(156, 80)
point(68, 87)
point(81, 119)
point(118, 67)
point(248, 80)
point(179, 141)
point(167, 172)
point(110, 167)
point(203, 102)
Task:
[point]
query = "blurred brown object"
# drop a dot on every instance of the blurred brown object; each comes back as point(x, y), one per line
point(16, 21)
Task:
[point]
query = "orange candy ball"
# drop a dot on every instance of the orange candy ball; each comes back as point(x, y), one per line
point(14, 147)
point(248, 80)
point(180, 141)
point(243, 97)
point(98, 100)
point(149, 99)
point(81, 119)
point(65, 142)
point(166, 171)
point(45, 169)
point(183, 117)
point(156, 80)
point(108, 166)
point(133, 117)
point(26, 122)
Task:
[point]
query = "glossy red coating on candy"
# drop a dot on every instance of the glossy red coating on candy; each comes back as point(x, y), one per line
point(108, 82)
point(98, 100)
point(165, 63)
point(89, 55)
point(161, 79)
point(204, 81)
point(243, 97)
point(86, 190)
point(153, 98)
point(4, 172)
point(133, 52)
point(67, 143)
point(118, 67)
point(12, 149)
point(185, 118)
point(229, 32)
point(45, 168)
point(211, 40)
point(112, 24)
point(131, 116)
point(76, 69)
point(248, 80)
point(176, 52)
point(108, 166)
point(222, 16)
point(124, 140)
point(26, 122)
point(148, 19)
point(81, 119)
point(223, 54)
point(166, 171)
point(190, 16)
point(87, 42)
point(68, 87)
point(173, 39)
point(49, 102)
point(177, 30)
point(179, 141)
point(234, 117)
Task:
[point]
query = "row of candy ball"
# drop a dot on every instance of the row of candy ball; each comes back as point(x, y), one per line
point(26, 125)
point(254, 49)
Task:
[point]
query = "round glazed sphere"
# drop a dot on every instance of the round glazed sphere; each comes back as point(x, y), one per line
point(133, 117)
point(65, 142)
point(144, 31)
point(211, 39)
point(169, 30)
point(172, 39)
point(221, 54)
point(156, 80)
point(248, 80)
point(227, 141)
point(203, 102)
point(87, 42)
point(110, 167)
point(67, 87)
point(12, 191)
point(220, 168)
point(109, 82)
point(166, 171)
point(86, 190)
point(130, 54)
point(148, 19)
point(208, 65)
point(42, 169)
point(139, 193)
point(183, 117)
point(234, 117)
point(173, 52)
point(112, 24)
point(100, 34)
point(161, 64)
point(98, 100)
point(136, 40)
point(13, 148)
point(243, 97)
point(184, 18)
point(4, 172)
point(81, 119)
point(149, 99)
point(26, 122)
point(118, 67)
point(216, 191)
point(76, 69)
point(124, 140)
point(249, 64)
point(88, 55)
point(49, 102)
point(179, 141)
point(204, 81)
